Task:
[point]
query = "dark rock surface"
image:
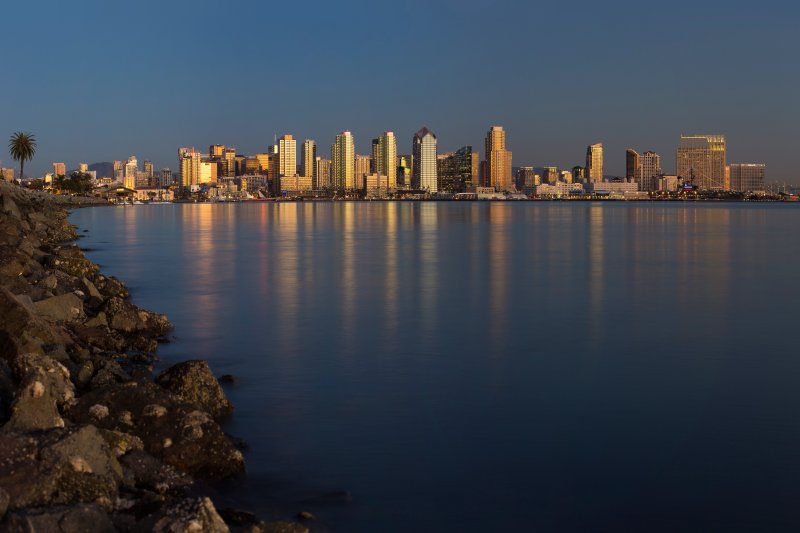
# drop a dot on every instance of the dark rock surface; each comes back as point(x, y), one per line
point(88, 440)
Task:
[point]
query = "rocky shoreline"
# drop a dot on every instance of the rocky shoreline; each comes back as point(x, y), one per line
point(90, 439)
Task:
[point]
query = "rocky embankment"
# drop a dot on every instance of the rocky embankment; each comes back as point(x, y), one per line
point(90, 439)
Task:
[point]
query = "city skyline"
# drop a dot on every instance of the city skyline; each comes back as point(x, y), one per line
point(104, 113)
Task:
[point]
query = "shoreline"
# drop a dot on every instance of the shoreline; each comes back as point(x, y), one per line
point(90, 437)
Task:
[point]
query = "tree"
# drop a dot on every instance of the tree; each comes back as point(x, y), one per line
point(22, 147)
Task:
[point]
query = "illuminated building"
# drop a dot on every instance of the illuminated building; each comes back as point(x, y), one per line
point(594, 163)
point(343, 162)
point(747, 177)
point(701, 159)
point(424, 153)
point(498, 160)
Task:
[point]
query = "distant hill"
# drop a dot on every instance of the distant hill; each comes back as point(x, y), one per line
point(104, 169)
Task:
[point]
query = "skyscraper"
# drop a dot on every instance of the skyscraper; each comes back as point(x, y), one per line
point(189, 164)
point(457, 171)
point(131, 168)
point(165, 178)
point(594, 163)
point(384, 157)
point(148, 170)
point(309, 161)
point(747, 177)
point(83, 167)
point(498, 160)
point(343, 162)
point(287, 156)
point(702, 158)
point(119, 171)
point(649, 171)
point(60, 169)
point(550, 175)
point(633, 163)
point(322, 173)
point(216, 150)
point(363, 164)
point(424, 153)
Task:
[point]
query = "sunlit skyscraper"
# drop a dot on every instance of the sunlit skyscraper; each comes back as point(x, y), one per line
point(747, 177)
point(498, 160)
point(702, 159)
point(60, 169)
point(362, 167)
point(633, 163)
point(384, 157)
point(594, 163)
point(287, 156)
point(424, 153)
point(322, 171)
point(309, 160)
point(343, 162)
point(189, 164)
point(649, 171)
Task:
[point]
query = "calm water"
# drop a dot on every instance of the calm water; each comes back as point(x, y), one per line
point(490, 366)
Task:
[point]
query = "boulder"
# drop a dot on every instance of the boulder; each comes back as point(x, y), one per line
point(144, 471)
point(110, 287)
point(44, 386)
point(192, 515)
point(58, 467)
point(171, 430)
point(127, 318)
point(22, 331)
point(63, 519)
point(65, 308)
point(193, 382)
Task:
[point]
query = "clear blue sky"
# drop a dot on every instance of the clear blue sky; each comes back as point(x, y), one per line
point(100, 80)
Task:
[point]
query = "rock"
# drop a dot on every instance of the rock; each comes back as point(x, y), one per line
point(121, 443)
point(72, 519)
point(8, 390)
point(70, 260)
point(59, 466)
point(192, 515)
point(84, 374)
point(66, 308)
point(125, 317)
point(146, 472)
point(50, 282)
point(44, 386)
point(193, 382)
point(98, 321)
point(93, 295)
point(22, 331)
point(173, 431)
point(4, 500)
point(282, 527)
point(111, 287)
point(98, 411)
point(10, 207)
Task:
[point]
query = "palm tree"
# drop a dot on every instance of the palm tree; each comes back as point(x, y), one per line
point(22, 147)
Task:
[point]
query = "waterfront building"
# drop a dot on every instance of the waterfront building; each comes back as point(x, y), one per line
point(287, 156)
point(376, 185)
point(498, 160)
point(404, 171)
point(60, 169)
point(322, 173)
point(227, 165)
point(701, 159)
point(668, 183)
point(578, 174)
point(384, 157)
point(594, 163)
point(131, 168)
point(189, 165)
point(526, 178)
point(309, 160)
point(362, 166)
point(424, 154)
point(343, 162)
point(633, 164)
point(142, 180)
point(558, 189)
point(165, 177)
point(263, 162)
point(747, 177)
point(649, 171)
point(148, 169)
point(550, 175)
point(457, 171)
point(613, 188)
point(565, 176)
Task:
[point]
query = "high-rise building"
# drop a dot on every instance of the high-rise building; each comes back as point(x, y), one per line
point(310, 160)
point(578, 174)
point(424, 154)
point(498, 160)
point(343, 162)
point(148, 169)
point(83, 167)
point(166, 178)
point(526, 178)
point(594, 163)
point(747, 177)
point(322, 173)
point(701, 159)
point(131, 168)
point(60, 169)
point(649, 171)
point(384, 157)
point(287, 156)
point(263, 162)
point(363, 164)
point(633, 163)
point(457, 171)
point(189, 164)
point(550, 175)
point(119, 171)
point(227, 165)
point(208, 172)
point(565, 176)
point(404, 170)
point(216, 150)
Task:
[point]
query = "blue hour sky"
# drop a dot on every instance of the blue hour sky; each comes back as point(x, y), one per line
point(101, 80)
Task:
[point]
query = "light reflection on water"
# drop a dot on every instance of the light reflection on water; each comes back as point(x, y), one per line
point(489, 366)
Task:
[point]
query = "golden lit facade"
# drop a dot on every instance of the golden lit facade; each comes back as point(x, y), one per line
point(309, 160)
point(498, 160)
point(424, 172)
point(702, 159)
point(287, 156)
point(59, 169)
point(343, 162)
point(594, 163)
point(384, 157)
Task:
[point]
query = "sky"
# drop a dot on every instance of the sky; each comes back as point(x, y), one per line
point(102, 80)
